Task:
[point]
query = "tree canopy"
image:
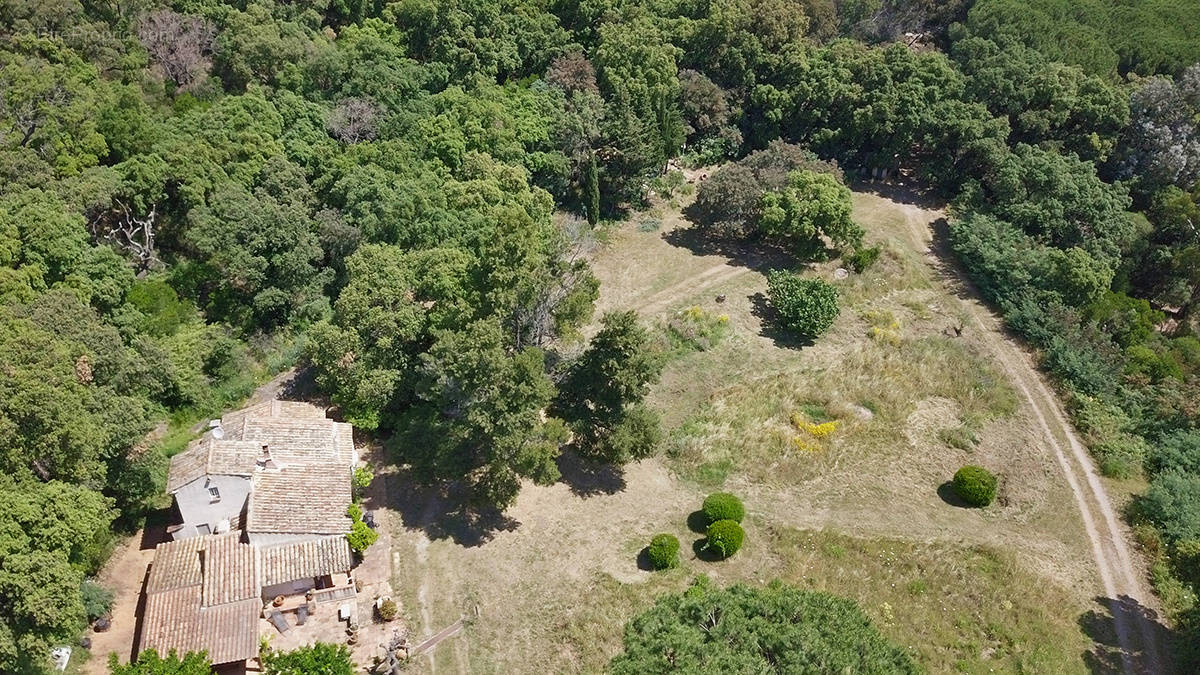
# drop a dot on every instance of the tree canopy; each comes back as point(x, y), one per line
point(775, 629)
point(406, 192)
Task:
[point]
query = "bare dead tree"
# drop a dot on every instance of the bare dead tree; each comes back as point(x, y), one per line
point(354, 119)
point(536, 321)
point(572, 72)
point(120, 227)
point(179, 43)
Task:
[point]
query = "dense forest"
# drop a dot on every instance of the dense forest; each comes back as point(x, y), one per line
point(402, 194)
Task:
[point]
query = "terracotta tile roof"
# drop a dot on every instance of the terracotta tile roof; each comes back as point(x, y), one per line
point(304, 559)
point(212, 457)
point(313, 455)
point(176, 565)
point(230, 570)
point(304, 499)
point(175, 620)
point(203, 594)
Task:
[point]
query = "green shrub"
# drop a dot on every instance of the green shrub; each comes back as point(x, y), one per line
point(806, 307)
point(723, 506)
point(663, 551)
point(975, 485)
point(1178, 451)
point(362, 480)
point(1121, 455)
point(319, 658)
point(361, 537)
point(97, 600)
point(862, 258)
point(1173, 504)
point(388, 610)
point(725, 537)
point(1155, 364)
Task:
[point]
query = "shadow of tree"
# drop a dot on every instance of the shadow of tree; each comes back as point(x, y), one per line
point(588, 478)
point(702, 552)
point(154, 527)
point(303, 387)
point(443, 511)
point(904, 192)
point(1108, 655)
point(643, 560)
point(761, 308)
point(753, 253)
point(697, 522)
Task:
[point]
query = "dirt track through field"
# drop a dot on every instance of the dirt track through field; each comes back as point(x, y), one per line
point(1121, 577)
point(1124, 588)
point(717, 274)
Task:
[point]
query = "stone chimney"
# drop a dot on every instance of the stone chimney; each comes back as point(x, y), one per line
point(264, 460)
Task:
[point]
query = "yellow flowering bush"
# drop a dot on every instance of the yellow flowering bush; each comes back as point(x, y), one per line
point(696, 329)
point(804, 445)
point(884, 327)
point(818, 430)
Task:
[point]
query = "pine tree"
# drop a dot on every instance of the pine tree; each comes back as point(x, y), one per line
point(592, 189)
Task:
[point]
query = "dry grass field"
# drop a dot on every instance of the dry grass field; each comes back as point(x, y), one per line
point(862, 512)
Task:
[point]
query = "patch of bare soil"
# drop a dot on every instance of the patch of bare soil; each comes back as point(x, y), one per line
point(124, 574)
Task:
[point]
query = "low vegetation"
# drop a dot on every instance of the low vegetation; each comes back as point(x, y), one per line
point(696, 329)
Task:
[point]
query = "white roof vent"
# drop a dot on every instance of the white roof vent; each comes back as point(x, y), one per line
point(223, 526)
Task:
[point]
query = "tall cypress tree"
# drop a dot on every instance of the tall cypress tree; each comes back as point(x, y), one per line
point(592, 190)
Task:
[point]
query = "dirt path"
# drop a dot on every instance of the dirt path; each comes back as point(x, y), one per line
point(713, 276)
point(1124, 588)
point(1120, 572)
point(123, 574)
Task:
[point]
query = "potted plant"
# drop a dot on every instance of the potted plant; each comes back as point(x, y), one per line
point(277, 601)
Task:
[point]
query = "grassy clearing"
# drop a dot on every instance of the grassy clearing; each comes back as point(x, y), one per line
point(748, 428)
point(852, 507)
point(970, 610)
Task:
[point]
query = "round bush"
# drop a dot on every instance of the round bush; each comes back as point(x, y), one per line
point(975, 485)
point(725, 537)
point(663, 551)
point(723, 506)
point(806, 307)
point(388, 610)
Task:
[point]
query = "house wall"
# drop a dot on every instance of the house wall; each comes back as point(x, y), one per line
point(296, 587)
point(196, 506)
